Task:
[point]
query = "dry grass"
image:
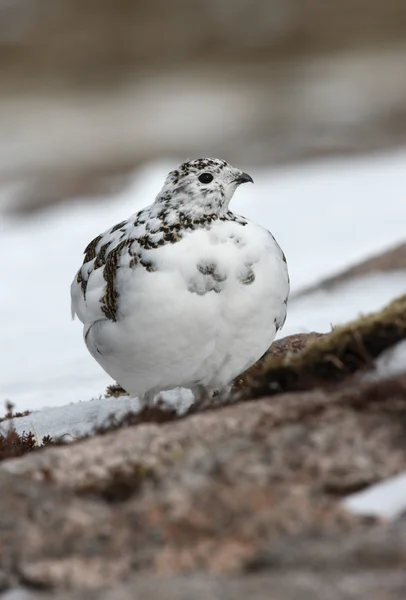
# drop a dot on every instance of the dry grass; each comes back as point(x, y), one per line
point(11, 414)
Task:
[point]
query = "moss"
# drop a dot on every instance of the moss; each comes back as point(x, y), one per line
point(333, 357)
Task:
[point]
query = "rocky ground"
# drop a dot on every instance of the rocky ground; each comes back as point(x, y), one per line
point(233, 500)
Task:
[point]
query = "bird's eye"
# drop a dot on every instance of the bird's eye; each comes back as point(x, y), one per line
point(205, 178)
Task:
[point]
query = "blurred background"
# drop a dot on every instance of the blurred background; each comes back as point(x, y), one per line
point(91, 89)
point(100, 98)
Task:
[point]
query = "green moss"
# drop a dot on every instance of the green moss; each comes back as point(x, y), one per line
point(333, 357)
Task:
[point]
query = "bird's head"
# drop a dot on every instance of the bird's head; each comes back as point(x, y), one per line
point(203, 185)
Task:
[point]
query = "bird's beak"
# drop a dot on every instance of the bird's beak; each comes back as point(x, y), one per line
point(243, 178)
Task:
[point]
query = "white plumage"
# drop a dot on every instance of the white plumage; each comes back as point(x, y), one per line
point(184, 293)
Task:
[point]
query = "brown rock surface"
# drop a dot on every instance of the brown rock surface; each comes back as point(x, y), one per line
point(254, 486)
point(291, 344)
point(387, 585)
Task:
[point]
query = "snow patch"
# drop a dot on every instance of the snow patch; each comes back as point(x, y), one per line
point(323, 309)
point(76, 420)
point(390, 363)
point(386, 499)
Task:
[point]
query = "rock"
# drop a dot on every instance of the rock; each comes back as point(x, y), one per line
point(388, 585)
point(253, 486)
point(291, 344)
point(52, 538)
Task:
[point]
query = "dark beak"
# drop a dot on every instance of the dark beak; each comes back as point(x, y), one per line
point(243, 178)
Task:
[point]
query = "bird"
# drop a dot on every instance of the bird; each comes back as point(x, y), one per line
point(184, 293)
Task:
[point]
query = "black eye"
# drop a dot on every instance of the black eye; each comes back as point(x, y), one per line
point(205, 178)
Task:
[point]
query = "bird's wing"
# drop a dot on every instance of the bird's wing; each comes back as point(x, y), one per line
point(93, 292)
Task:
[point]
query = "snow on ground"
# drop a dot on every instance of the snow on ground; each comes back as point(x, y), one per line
point(386, 499)
point(390, 363)
point(73, 420)
point(78, 419)
point(322, 309)
point(325, 216)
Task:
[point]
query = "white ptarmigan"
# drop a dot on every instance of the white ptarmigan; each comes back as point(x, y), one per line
point(184, 293)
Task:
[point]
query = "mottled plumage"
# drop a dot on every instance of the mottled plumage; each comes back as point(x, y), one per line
point(185, 292)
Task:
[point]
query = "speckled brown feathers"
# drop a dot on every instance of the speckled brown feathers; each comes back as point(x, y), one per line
point(168, 232)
